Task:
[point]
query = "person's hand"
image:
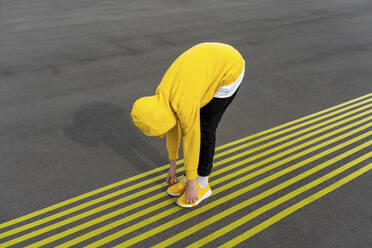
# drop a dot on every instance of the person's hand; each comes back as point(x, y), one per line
point(191, 192)
point(171, 178)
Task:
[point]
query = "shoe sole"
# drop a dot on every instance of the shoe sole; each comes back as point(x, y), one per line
point(172, 194)
point(205, 196)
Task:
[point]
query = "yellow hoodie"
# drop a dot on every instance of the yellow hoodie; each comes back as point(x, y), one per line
point(189, 84)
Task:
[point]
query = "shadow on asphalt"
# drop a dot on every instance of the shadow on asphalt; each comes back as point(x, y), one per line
point(109, 124)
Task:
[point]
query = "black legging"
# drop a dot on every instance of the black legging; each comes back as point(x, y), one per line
point(210, 116)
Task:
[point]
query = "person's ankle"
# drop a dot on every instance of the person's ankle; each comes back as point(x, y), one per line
point(203, 181)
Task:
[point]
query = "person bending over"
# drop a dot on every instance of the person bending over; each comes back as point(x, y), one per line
point(189, 103)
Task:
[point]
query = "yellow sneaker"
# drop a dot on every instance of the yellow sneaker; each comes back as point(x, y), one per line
point(203, 193)
point(178, 188)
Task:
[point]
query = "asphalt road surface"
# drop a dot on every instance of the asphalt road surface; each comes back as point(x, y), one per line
point(71, 70)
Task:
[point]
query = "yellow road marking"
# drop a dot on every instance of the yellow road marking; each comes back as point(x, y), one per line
point(289, 123)
point(287, 130)
point(125, 181)
point(295, 207)
point(100, 199)
point(265, 208)
point(277, 148)
point(138, 204)
point(187, 216)
point(165, 203)
point(206, 207)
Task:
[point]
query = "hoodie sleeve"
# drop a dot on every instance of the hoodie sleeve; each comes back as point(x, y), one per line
point(189, 117)
point(174, 141)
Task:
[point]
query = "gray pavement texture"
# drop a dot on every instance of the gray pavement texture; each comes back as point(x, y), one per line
point(71, 70)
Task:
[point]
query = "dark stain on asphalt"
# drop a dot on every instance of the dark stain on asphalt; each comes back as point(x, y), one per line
point(109, 124)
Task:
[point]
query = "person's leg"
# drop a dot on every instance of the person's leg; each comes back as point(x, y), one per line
point(210, 116)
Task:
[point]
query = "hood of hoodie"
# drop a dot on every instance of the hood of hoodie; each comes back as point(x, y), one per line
point(153, 115)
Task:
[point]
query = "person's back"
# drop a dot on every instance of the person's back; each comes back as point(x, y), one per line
point(201, 71)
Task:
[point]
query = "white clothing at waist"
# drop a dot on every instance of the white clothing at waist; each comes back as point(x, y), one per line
point(229, 90)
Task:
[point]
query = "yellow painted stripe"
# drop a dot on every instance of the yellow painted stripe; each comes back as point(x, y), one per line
point(302, 137)
point(296, 206)
point(165, 203)
point(289, 123)
point(210, 205)
point(290, 129)
point(139, 176)
point(138, 204)
point(101, 208)
point(88, 194)
point(267, 207)
point(222, 200)
point(111, 195)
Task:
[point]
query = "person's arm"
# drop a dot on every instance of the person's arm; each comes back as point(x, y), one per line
point(189, 117)
point(171, 172)
point(173, 141)
point(173, 144)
